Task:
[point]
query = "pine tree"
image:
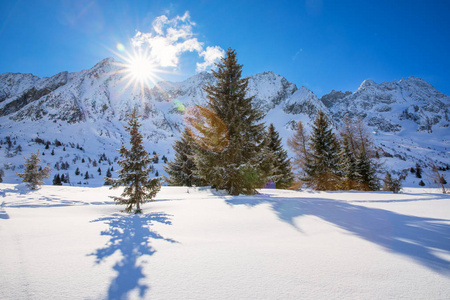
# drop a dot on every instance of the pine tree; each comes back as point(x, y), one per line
point(238, 167)
point(181, 169)
point(281, 172)
point(86, 175)
point(322, 168)
point(387, 182)
point(34, 174)
point(2, 173)
point(418, 171)
point(77, 171)
point(348, 166)
point(366, 170)
point(392, 185)
point(57, 180)
point(134, 174)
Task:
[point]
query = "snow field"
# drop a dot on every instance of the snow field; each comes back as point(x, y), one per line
point(73, 242)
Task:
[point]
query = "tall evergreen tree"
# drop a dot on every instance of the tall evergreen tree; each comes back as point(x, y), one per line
point(282, 171)
point(134, 175)
point(238, 167)
point(34, 174)
point(322, 168)
point(181, 169)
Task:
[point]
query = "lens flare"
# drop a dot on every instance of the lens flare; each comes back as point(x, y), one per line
point(206, 128)
point(178, 105)
point(120, 47)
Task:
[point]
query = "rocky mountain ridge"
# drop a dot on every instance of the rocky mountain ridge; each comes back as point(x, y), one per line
point(409, 117)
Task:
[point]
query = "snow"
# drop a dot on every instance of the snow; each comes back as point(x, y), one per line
point(197, 243)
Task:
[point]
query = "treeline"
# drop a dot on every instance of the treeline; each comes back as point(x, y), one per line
point(328, 161)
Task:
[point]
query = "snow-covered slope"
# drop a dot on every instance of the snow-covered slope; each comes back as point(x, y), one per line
point(195, 243)
point(87, 110)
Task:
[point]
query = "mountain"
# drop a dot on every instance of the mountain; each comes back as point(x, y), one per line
point(80, 116)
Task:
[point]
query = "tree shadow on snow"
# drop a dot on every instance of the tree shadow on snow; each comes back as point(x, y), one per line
point(131, 235)
point(3, 214)
point(421, 239)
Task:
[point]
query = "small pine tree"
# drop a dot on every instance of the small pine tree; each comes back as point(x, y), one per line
point(348, 166)
point(392, 185)
point(281, 173)
point(34, 174)
point(181, 169)
point(387, 182)
point(418, 171)
point(2, 173)
point(421, 183)
point(99, 171)
point(86, 175)
point(77, 171)
point(57, 180)
point(134, 174)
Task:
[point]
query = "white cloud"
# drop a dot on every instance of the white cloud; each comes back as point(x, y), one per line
point(211, 55)
point(170, 38)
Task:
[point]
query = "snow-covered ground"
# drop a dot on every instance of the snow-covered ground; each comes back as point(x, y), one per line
point(63, 242)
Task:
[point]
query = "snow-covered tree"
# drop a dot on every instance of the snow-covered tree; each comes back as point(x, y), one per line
point(282, 171)
point(237, 167)
point(134, 175)
point(34, 174)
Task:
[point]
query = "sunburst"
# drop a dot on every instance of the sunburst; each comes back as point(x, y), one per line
point(138, 69)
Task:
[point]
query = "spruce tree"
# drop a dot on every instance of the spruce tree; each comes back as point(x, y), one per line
point(134, 175)
point(387, 182)
point(181, 169)
point(282, 171)
point(366, 170)
point(57, 180)
point(348, 166)
point(322, 168)
point(238, 167)
point(34, 174)
point(392, 185)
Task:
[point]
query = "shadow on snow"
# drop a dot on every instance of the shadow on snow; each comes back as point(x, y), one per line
point(416, 237)
point(131, 235)
point(3, 214)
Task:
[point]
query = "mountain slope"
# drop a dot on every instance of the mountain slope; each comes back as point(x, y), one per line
point(87, 110)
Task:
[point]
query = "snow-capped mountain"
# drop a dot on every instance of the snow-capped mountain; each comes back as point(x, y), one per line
point(85, 112)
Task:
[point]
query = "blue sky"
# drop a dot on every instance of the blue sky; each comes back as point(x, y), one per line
point(320, 44)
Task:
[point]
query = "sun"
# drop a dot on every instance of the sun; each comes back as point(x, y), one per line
point(141, 68)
